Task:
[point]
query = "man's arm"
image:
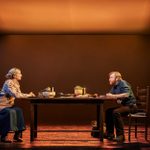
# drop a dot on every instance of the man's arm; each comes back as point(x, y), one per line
point(118, 96)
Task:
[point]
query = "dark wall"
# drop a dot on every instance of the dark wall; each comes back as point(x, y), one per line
point(64, 61)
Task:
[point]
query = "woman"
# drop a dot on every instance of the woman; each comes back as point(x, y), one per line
point(11, 117)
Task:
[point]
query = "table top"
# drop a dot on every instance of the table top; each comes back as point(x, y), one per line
point(70, 99)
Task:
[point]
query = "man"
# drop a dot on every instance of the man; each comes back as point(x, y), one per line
point(121, 91)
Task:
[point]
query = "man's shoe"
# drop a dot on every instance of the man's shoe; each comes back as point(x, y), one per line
point(95, 134)
point(4, 140)
point(119, 138)
point(18, 139)
point(109, 136)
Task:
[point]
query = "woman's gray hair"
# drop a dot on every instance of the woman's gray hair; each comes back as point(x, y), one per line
point(11, 73)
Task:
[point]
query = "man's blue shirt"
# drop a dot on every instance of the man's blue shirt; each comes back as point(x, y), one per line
point(123, 86)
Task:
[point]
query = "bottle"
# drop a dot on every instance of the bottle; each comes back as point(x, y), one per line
point(84, 91)
point(52, 89)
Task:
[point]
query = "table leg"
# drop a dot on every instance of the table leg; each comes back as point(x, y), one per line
point(98, 116)
point(101, 122)
point(35, 120)
point(31, 122)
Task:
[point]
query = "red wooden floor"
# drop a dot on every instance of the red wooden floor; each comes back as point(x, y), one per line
point(75, 140)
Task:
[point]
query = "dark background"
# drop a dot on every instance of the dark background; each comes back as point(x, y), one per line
point(64, 61)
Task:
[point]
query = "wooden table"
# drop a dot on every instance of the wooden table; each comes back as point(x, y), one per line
point(34, 102)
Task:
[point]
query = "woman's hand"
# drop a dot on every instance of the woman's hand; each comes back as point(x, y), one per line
point(31, 94)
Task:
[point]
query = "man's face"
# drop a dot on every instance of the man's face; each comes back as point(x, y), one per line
point(112, 79)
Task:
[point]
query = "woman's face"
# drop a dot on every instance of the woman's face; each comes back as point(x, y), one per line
point(18, 75)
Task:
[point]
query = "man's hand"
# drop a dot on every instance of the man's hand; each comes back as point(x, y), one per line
point(117, 96)
point(114, 96)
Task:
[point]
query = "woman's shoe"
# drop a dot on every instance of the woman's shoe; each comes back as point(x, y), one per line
point(4, 140)
point(18, 139)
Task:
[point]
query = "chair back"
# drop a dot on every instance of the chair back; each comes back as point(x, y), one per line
point(143, 95)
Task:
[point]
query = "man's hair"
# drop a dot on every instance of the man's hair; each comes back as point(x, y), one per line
point(117, 74)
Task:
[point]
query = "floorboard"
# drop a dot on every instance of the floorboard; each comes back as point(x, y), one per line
point(75, 140)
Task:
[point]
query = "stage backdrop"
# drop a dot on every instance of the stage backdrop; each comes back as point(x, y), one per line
point(64, 61)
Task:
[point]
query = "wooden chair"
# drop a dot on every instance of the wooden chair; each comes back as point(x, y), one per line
point(11, 102)
point(142, 95)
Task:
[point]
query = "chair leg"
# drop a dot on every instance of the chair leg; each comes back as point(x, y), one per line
point(146, 128)
point(129, 130)
point(135, 127)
